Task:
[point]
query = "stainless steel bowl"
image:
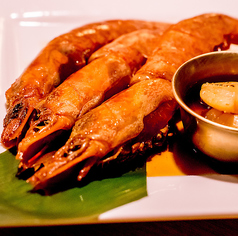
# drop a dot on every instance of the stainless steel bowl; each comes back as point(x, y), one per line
point(213, 139)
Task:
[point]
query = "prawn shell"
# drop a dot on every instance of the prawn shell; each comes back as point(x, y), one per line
point(186, 39)
point(98, 132)
point(60, 58)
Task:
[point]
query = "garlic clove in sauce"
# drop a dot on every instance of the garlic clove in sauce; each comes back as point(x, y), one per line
point(222, 96)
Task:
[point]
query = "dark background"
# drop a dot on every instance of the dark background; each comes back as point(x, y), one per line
point(193, 228)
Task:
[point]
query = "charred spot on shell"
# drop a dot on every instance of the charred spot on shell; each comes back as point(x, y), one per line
point(17, 110)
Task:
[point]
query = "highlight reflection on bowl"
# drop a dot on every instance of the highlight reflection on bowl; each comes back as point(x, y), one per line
point(213, 139)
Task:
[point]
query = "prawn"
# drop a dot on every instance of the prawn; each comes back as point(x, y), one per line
point(123, 118)
point(109, 71)
point(106, 127)
point(186, 39)
point(61, 57)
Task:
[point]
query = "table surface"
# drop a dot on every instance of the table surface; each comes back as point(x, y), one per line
point(193, 227)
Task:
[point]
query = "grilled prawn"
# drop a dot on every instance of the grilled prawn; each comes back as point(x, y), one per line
point(129, 117)
point(109, 71)
point(107, 127)
point(63, 56)
point(187, 39)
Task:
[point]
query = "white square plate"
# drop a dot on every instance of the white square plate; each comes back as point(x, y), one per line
point(26, 26)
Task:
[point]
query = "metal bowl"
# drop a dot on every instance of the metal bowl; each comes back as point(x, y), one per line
point(215, 140)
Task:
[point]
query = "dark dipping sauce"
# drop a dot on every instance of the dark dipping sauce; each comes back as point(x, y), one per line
point(194, 102)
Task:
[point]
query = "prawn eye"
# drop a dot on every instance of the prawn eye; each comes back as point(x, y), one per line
point(65, 154)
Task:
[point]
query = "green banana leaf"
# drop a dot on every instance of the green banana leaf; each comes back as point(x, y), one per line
point(19, 206)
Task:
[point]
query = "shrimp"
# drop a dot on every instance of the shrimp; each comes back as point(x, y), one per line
point(100, 134)
point(62, 56)
point(106, 127)
point(186, 39)
point(109, 72)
